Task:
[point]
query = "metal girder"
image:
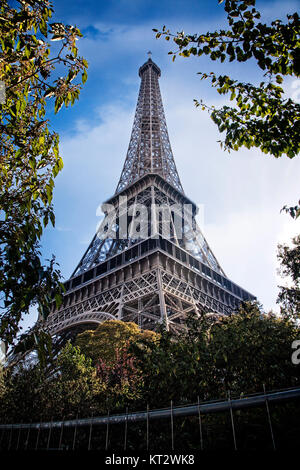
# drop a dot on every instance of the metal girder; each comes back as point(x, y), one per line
point(153, 297)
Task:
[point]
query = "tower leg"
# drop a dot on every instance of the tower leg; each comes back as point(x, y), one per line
point(161, 295)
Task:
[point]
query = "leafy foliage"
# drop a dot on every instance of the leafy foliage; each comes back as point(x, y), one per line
point(76, 385)
point(262, 117)
point(110, 348)
point(29, 150)
point(38, 342)
point(109, 338)
point(294, 211)
point(66, 387)
point(239, 353)
point(122, 378)
point(289, 296)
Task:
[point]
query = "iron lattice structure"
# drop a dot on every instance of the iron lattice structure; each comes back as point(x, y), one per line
point(168, 272)
point(149, 149)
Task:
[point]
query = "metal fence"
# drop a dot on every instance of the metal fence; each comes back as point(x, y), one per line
point(79, 433)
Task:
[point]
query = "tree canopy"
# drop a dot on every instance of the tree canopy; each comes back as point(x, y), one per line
point(111, 336)
point(32, 51)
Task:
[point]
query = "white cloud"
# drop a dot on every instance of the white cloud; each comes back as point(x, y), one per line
point(246, 245)
point(277, 9)
point(63, 229)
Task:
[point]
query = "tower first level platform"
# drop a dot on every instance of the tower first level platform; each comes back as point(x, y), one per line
point(152, 282)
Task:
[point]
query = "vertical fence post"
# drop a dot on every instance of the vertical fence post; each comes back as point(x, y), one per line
point(107, 431)
point(90, 434)
point(18, 440)
point(75, 433)
point(49, 434)
point(61, 433)
point(38, 436)
point(147, 427)
point(200, 425)
point(269, 418)
point(172, 425)
point(2, 434)
point(27, 437)
point(126, 426)
point(232, 421)
point(10, 438)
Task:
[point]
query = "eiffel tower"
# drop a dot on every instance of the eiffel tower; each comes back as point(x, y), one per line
point(163, 274)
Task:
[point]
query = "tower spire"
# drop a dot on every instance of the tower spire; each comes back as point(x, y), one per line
point(149, 148)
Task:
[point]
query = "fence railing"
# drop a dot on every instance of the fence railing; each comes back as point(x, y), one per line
point(10, 438)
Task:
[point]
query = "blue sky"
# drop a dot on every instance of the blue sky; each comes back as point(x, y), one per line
point(241, 193)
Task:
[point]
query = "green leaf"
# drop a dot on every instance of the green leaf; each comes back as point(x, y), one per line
point(84, 76)
point(58, 104)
